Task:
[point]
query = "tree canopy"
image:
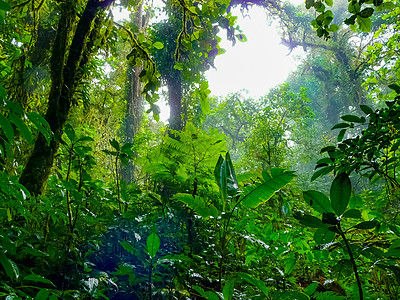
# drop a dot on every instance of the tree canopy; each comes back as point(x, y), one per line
point(292, 195)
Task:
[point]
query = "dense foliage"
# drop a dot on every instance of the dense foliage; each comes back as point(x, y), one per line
point(101, 200)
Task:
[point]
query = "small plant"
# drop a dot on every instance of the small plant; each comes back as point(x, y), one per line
point(334, 211)
point(121, 154)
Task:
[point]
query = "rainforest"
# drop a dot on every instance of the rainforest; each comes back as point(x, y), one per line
point(122, 176)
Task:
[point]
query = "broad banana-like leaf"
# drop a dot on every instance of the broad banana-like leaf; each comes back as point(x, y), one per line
point(226, 178)
point(261, 192)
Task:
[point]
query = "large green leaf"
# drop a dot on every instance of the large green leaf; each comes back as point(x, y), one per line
point(41, 125)
point(323, 236)
point(209, 295)
point(340, 193)
point(43, 294)
point(128, 247)
point(153, 244)
point(220, 176)
point(254, 281)
point(231, 182)
point(37, 278)
point(20, 124)
point(225, 176)
point(262, 192)
point(309, 221)
point(4, 6)
point(5, 125)
point(9, 266)
point(366, 225)
point(318, 201)
point(228, 289)
point(290, 295)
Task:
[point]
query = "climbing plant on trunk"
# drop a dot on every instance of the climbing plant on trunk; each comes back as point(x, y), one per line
point(66, 74)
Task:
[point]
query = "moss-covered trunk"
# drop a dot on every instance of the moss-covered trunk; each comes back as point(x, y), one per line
point(174, 83)
point(134, 103)
point(65, 78)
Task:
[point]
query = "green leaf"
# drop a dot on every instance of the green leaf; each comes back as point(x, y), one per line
point(309, 221)
point(366, 225)
point(323, 236)
point(114, 143)
point(341, 135)
point(158, 45)
point(232, 184)
point(198, 205)
point(311, 288)
point(41, 125)
point(153, 244)
point(340, 193)
point(127, 149)
point(178, 66)
point(366, 12)
point(351, 118)
point(220, 176)
point(43, 294)
point(23, 129)
point(254, 281)
point(341, 125)
point(366, 109)
point(128, 247)
point(309, 3)
point(7, 128)
point(333, 28)
point(395, 228)
point(4, 6)
point(209, 295)
point(387, 5)
point(321, 172)
point(343, 268)
point(228, 289)
point(290, 295)
point(259, 194)
point(70, 132)
point(329, 2)
point(352, 213)
point(395, 87)
point(289, 265)
point(364, 23)
point(37, 278)
point(9, 266)
point(205, 105)
point(318, 201)
point(329, 218)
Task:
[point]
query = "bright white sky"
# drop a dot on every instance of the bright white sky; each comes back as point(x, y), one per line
point(256, 65)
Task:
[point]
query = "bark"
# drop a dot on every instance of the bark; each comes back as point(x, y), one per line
point(174, 83)
point(134, 106)
point(65, 78)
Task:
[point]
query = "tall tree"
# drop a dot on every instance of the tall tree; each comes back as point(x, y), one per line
point(134, 99)
point(66, 74)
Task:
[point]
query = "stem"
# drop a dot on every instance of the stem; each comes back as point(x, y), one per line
point(117, 177)
point(150, 279)
point(353, 262)
point(69, 212)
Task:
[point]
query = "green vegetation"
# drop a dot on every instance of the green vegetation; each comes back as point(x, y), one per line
point(101, 200)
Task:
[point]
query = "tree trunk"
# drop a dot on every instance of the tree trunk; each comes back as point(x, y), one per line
point(174, 83)
point(134, 105)
point(65, 78)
